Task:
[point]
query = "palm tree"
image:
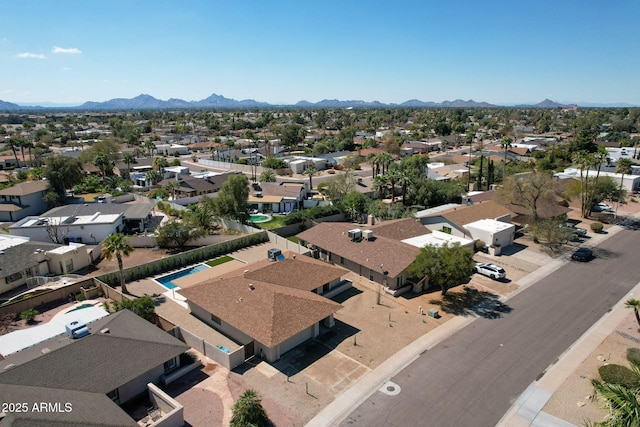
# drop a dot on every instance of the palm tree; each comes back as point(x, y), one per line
point(623, 404)
point(153, 177)
point(373, 160)
point(505, 143)
point(248, 411)
point(14, 144)
point(150, 147)
point(404, 180)
point(117, 245)
point(104, 163)
point(268, 176)
point(128, 158)
point(160, 163)
point(172, 187)
point(385, 159)
point(311, 172)
point(380, 185)
point(624, 168)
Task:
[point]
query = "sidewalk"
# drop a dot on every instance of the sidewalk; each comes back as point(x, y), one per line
point(530, 403)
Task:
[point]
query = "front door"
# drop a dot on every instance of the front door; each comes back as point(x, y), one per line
point(248, 351)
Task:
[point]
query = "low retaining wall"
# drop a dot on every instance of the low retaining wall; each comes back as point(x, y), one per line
point(61, 293)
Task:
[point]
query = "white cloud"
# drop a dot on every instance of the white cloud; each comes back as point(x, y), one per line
point(31, 55)
point(57, 49)
point(66, 69)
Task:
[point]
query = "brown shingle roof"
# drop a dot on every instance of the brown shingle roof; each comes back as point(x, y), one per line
point(300, 273)
point(399, 229)
point(24, 188)
point(468, 214)
point(332, 236)
point(267, 313)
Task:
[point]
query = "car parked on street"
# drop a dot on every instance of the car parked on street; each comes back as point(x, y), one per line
point(491, 270)
point(582, 254)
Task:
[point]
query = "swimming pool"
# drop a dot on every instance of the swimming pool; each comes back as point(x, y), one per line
point(260, 218)
point(167, 280)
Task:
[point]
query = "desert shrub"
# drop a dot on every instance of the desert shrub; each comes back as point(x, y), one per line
point(479, 245)
point(633, 356)
point(597, 227)
point(29, 315)
point(618, 374)
point(187, 358)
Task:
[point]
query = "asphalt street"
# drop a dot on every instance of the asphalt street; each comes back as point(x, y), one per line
point(472, 378)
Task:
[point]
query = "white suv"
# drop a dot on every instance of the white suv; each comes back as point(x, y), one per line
point(491, 270)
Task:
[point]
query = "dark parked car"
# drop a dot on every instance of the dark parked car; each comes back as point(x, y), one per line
point(582, 254)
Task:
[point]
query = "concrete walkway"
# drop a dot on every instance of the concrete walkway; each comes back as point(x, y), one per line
point(528, 407)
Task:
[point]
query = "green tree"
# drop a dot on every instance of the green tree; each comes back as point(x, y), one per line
point(144, 306)
point(292, 135)
point(176, 234)
point(128, 158)
point(117, 245)
point(624, 168)
point(231, 201)
point(310, 172)
point(202, 215)
point(355, 205)
point(338, 187)
point(150, 147)
point(528, 191)
point(171, 187)
point(268, 176)
point(63, 172)
point(505, 143)
point(104, 163)
point(159, 163)
point(445, 266)
point(248, 411)
point(272, 162)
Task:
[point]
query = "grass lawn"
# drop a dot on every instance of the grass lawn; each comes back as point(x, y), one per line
point(219, 261)
point(89, 197)
point(294, 239)
point(276, 222)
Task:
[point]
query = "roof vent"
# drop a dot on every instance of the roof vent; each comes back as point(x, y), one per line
point(105, 331)
point(95, 215)
point(45, 350)
point(251, 286)
point(9, 366)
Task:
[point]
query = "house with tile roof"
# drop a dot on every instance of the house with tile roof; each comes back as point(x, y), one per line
point(376, 252)
point(277, 197)
point(22, 200)
point(121, 358)
point(270, 307)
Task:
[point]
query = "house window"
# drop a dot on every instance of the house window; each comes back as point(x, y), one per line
point(170, 365)
point(215, 319)
point(14, 277)
point(399, 282)
point(342, 260)
point(29, 272)
point(114, 395)
point(371, 274)
point(69, 265)
point(446, 229)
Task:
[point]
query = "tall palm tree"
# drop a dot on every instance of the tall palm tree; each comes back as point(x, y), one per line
point(160, 163)
point(14, 144)
point(172, 187)
point(380, 183)
point(128, 158)
point(506, 143)
point(150, 147)
point(624, 168)
point(248, 411)
point(104, 163)
point(117, 245)
point(310, 172)
point(385, 159)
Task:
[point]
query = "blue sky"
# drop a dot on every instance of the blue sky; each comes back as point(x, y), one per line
point(502, 52)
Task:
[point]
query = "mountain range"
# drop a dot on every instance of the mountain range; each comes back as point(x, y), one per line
point(148, 102)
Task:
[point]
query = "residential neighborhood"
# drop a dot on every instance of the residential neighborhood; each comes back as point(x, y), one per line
point(154, 272)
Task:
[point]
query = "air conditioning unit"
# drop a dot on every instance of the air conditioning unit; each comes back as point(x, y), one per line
point(355, 234)
point(367, 234)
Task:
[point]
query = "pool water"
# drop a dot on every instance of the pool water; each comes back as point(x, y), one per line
point(167, 280)
point(260, 218)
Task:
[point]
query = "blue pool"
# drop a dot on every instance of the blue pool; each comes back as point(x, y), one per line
point(167, 280)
